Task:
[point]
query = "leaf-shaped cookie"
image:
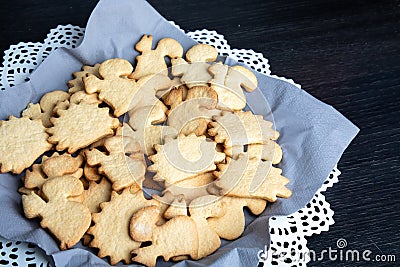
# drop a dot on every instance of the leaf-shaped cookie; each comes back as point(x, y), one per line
point(241, 128)
point(269, 151)
point(251, 178)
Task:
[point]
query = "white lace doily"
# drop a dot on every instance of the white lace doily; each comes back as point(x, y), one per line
point(288, 234)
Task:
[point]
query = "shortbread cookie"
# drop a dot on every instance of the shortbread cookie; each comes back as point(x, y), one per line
point(207, 158)
point(111, 229)
point(146, 95)
point(62, 165)
point(201, 92)
point(123, 94)
point(175, 83)
point(77, 84)
point(269, 151)
point(97, 193)
point(76, 98)
point(194, 70)
point(22, 141)
point(182, 235)
point(120, 169)
point(251, 178)
point(191, 188)
point(82, 96)
point(231, 225)
point(67, 220)
point(91, 173)
point(184, 157)
point(228, 83)
point(35, 178)
point(176, 237)
point(121, 131)
point(164, 203)
point(147, 134)
point(153, 61)
point(113, 89)
point(241, 128)
point(177, 207)
point(81, 125)
point(209, 206)
point(193, 115)
point(44, 110)
point(200, 209)
point(57, 166)
point(175, 97)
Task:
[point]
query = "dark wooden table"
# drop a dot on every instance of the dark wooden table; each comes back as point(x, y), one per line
point(346, 53)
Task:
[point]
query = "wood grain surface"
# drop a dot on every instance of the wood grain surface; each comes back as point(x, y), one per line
point(345, 53)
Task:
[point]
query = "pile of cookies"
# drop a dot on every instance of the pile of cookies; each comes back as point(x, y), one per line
point(121, 130)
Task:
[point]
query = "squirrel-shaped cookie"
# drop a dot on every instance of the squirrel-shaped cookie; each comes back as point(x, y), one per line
point(228, 83)
point(176, 237)
point(152, 61)
point(182, 235)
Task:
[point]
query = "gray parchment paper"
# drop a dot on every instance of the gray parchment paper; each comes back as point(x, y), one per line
point(313, 134)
